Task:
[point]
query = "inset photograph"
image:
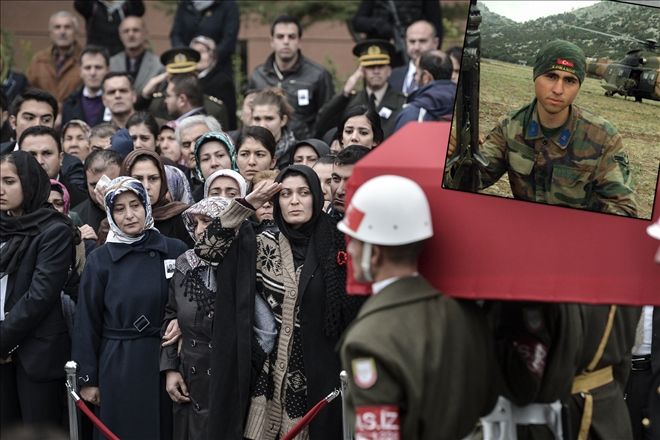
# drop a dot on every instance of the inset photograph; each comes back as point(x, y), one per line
point(559, 103)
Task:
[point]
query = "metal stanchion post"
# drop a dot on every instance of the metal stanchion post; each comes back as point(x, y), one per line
point(346, 424)
point(71, 369)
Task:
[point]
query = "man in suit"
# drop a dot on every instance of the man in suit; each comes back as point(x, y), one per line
point(141, 63)
point(374, 57)
point(420, 37)
point(86, 103)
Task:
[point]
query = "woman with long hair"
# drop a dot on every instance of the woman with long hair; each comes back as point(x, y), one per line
point(271, 110)
point(360, 125)
point(123, 292)
point(36, 254)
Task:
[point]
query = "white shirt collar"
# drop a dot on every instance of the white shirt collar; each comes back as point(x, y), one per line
point(377, 287)
point(88, 93)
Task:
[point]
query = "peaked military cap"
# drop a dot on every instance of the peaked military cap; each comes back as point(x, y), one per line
point(180, 60)
point(373, 52)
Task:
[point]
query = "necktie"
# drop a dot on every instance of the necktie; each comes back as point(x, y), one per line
point(372, 101)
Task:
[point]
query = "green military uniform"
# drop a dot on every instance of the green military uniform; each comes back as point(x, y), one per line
point(424, 356)
point(582, 164)
point(597, 409)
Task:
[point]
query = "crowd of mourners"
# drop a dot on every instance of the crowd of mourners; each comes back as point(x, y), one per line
point(183, 251)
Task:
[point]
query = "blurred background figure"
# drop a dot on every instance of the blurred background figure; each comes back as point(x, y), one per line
point(102, 19)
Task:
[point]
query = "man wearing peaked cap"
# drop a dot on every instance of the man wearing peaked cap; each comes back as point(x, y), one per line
point(177, 93)
point(180, 60)
point(556, 152)
point(374, 58)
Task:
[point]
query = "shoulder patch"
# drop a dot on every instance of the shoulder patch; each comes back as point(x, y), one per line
point(364, 372)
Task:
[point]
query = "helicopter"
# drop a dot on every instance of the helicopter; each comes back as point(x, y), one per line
point(636, 75)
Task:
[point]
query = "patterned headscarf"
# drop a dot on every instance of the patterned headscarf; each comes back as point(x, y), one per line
point(242, 184)
point(210, 206)
point(119, 186)
point(221, 137)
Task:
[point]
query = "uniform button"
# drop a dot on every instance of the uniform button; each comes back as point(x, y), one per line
point(646, 422)
point(152, 254)
point(287, 330)
point(193, 343)
point(208, 371)
point(210, 345)
point(193, 370)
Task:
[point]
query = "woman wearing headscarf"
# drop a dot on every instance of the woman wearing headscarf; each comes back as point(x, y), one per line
point(36, 253)
point(122, 299)
point(300, 273)
point(147, 167)
point(192, 302)
point(225, 183)
point(213, 151)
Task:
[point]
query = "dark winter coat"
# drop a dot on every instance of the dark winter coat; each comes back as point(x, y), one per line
point(124, 289)
point(432, 102)
point(34, 325)
point(103, 29)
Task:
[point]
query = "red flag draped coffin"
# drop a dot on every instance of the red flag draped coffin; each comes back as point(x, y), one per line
point(491, 247)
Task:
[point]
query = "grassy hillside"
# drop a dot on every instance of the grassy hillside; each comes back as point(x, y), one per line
point(505, 87)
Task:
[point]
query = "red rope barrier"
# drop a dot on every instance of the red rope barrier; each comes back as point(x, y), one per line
point(307, 418)
point(99, 424)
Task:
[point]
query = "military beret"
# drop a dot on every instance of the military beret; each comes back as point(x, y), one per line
point(560, 55)
point(180, 60)
point(373, 52)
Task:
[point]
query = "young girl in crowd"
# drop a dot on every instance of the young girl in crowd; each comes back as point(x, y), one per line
point(143, 129)
point(271, 110)
point(36, 252)
point(360, 126)
point(255, 151)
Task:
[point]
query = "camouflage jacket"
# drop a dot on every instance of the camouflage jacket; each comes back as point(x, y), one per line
point(583, 165)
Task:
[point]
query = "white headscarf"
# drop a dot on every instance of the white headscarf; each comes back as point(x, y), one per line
point(115, 188)
point(242, 184)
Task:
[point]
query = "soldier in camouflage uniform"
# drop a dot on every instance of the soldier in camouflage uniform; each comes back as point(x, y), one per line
point(555, 152)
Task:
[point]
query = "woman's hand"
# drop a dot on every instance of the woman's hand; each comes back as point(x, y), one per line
point(172, 333)
point(176, 387)
point(87, 233)
point(91, 395)
point(262, 193)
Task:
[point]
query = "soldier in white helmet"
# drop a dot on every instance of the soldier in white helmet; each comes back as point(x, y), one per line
point(420, 364)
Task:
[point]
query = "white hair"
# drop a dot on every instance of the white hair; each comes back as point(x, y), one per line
point(209, 121)
point(66, 14)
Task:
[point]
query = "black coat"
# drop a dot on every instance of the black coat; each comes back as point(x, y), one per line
point(174, 228)
point(121, 286)
point(219, 22)
point(90, 214)
point(103, 30)
point(34, 325)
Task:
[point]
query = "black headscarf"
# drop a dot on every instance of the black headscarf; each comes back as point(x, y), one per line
point(321, 236)
point(299, 237)
point(37, 212)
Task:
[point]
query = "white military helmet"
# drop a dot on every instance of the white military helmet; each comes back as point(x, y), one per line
point(654, 229)
point(388, 211)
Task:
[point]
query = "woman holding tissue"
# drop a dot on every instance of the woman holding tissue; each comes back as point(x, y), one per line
point(123, 292)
